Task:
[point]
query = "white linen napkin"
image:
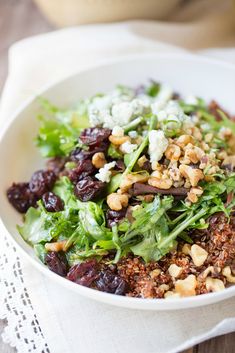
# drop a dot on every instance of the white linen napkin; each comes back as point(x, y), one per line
point(41, 316)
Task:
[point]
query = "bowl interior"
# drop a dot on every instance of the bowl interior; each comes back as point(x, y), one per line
point(185, 73)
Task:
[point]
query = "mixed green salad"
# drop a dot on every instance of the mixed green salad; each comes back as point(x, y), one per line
point(137, 195)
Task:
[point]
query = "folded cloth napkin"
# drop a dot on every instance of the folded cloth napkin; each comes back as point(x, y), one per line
point(42, 317)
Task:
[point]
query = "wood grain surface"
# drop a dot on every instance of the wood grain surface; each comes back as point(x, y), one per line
point(20, 19)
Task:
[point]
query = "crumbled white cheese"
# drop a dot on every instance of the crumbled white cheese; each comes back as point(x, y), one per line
point(133, 134)
point(172, 116)
point(122, 113)
point(104, 173)
point(191, 100)
point(128, 147)
point(117, 131)
point(138, 106)
point(157, 145)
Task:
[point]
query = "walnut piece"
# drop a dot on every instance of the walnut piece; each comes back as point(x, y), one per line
point(174, 270)
point(186, 287)
point(193, 174)
point(56, 246)
point(198, 254)
point(98, 160)
point(228, 274)
point(214, 284)
point(183, 140)
point(173, 152)
point(129, 179)
point(118, 140)
point(160, 183)
point(117, 201)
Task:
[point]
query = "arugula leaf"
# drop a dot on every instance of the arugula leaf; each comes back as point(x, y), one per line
point(153, 89)
point(148, 247)
point(230, 183)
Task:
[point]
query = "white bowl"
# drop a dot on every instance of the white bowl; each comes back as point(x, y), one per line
point(19, 157)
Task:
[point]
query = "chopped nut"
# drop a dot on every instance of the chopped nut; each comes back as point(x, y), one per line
point(183, 140)
point(193, 194)
point(173, 152)
point(197, 133)
point(98, 160)
point(186, 287)
point(208, 137)
point(156, 166)
point(164, 287)
point(56, 246)
point(228, 274)
point(156, 174)
point(141, 161)
point(174, 270)
point(171, 295)
point(155, 273)
point(174, 173)
point(214, 284)
point(206, 272)
point(160, 183)
point(198, 254)
point(145, 198)
point(193, 153)
point(193, 174)
point(229, 160)
point(117, 201)
point(186, 249)
point(118, 140)
point(130, 179)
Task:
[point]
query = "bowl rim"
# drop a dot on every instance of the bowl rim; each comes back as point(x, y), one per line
point(122, 301)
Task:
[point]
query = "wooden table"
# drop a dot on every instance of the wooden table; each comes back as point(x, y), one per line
point(19, 19)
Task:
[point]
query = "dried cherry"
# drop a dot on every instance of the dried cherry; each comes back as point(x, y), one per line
point(84, 273)
point(114, 217)
point(88, 189)
point(93, 136)
point(52, 202)
point(111, 283)
point(56, 164)
point(57, 262)
point(20, 197)
point(41, 182)
point(82, 170)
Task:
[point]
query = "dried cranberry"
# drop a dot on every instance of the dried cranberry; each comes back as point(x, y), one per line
point(114, 217)
point(52, 202)
point(56, 164)
point(83, 169)
point(88, 189)
point(111, 283)
point(93, 136)
point(57, 262)
point(84, 273)
point(20, 197)
point(41, 182)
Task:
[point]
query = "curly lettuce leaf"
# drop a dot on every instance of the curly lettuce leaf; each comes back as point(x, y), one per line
point(59, 129)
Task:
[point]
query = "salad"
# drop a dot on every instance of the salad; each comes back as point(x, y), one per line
point(137, 194)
